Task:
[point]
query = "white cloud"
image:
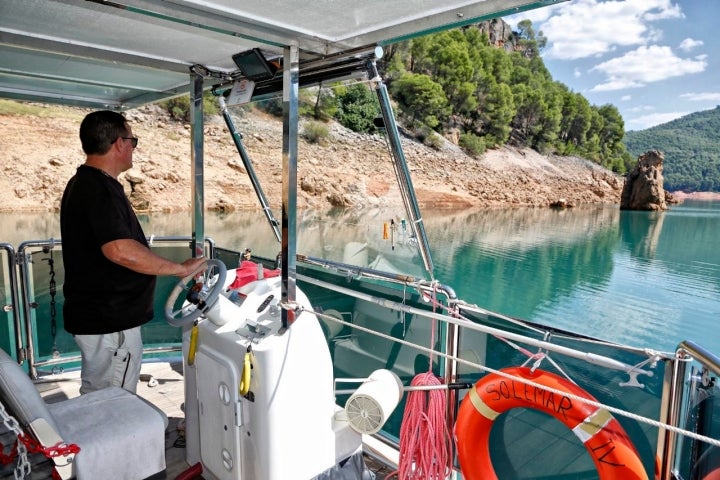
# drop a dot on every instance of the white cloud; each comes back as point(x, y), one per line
point(586, 28)
point(642, 108)
point(645, 65)
point(616, 84)
point(626, 98)
point(577, 73)
point(689, 44)
point(661, 10)
point(702, 97)
point(647, 121)
point(536, 16)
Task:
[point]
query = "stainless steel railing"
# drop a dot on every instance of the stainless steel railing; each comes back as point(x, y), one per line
point(14, 301)
point(24, 293)
point(675, 389)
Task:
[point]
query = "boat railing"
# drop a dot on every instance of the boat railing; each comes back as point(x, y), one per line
point(35, 274)
point(688, 393)
point(645, 371)
point(12, 339)
point(708, 359)
point(358, 272)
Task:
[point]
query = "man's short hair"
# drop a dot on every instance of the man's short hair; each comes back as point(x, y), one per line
point(100, 129)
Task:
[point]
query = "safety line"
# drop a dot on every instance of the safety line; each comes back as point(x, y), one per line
point(484, 368)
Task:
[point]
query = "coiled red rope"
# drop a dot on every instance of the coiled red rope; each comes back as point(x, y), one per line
point(426, 446)
point(425, 443)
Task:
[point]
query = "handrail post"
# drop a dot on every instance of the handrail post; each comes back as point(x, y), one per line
point(452, 347)
point(15, 300)
point(673, 389)
point(23, 261)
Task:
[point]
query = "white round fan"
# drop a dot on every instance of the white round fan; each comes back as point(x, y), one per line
point(372, 404)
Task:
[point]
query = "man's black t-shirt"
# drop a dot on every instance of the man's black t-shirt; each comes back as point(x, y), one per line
point(100, 296)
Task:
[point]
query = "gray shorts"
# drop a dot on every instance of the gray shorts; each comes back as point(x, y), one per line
point(110, 359)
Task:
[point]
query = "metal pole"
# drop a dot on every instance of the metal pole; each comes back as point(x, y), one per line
point(197, 160)
point(673, 386)
point(291, 76)
point(23, 259)
point(401, 169)
point(237, 138)
point(192, 411)
point(15, 300)
point(452, 347)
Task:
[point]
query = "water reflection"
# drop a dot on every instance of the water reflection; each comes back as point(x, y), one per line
point(16, 228)
point(514, 260)
point(641, 232)
point(637, 277)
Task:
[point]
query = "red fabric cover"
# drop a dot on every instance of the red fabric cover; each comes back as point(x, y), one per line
point(248, 272)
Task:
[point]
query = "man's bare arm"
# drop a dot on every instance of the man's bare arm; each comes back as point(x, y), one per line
point(137, 257)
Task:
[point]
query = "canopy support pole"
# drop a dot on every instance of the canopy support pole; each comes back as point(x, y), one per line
point(402, 172)
point(192, 413)
point(197, 160)
point(237, 138)
point(291, 75)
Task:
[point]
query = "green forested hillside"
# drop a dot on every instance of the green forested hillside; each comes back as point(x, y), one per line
point(484, 85)
point(499, 92)
point(691, 145)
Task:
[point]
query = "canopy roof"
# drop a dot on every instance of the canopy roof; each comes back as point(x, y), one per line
point(126, 53)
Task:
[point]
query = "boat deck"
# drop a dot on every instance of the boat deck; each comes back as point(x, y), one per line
point(167, 392)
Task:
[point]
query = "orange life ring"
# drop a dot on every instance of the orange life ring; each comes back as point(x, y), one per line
point(714, 475)
point(606, 441)
point(707, 466)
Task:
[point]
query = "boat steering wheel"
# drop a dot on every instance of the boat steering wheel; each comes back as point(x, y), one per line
point(202, 293)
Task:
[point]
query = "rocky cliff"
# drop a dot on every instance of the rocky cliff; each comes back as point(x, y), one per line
point(643, 189)
point(41, 152)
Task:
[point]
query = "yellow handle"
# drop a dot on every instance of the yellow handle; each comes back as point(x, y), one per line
point(193, 344)
point(245, 377)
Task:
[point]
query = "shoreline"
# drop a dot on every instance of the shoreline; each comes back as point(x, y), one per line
point(705, 196)
point(679, 195)
point(348, 171)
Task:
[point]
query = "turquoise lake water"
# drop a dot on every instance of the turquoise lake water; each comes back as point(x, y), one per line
point(640, 278)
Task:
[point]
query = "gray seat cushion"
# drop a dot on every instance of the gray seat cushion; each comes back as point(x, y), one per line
point(120, 435)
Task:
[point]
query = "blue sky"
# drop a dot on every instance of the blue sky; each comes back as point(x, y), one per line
point(655, 60)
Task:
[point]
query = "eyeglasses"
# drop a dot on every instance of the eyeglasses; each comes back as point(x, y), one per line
point(133, 139)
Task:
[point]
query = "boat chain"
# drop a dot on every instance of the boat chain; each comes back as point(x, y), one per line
point(52, 288)
point(22, 468)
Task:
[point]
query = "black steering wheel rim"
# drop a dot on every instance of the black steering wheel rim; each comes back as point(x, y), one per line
point(190, 312)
